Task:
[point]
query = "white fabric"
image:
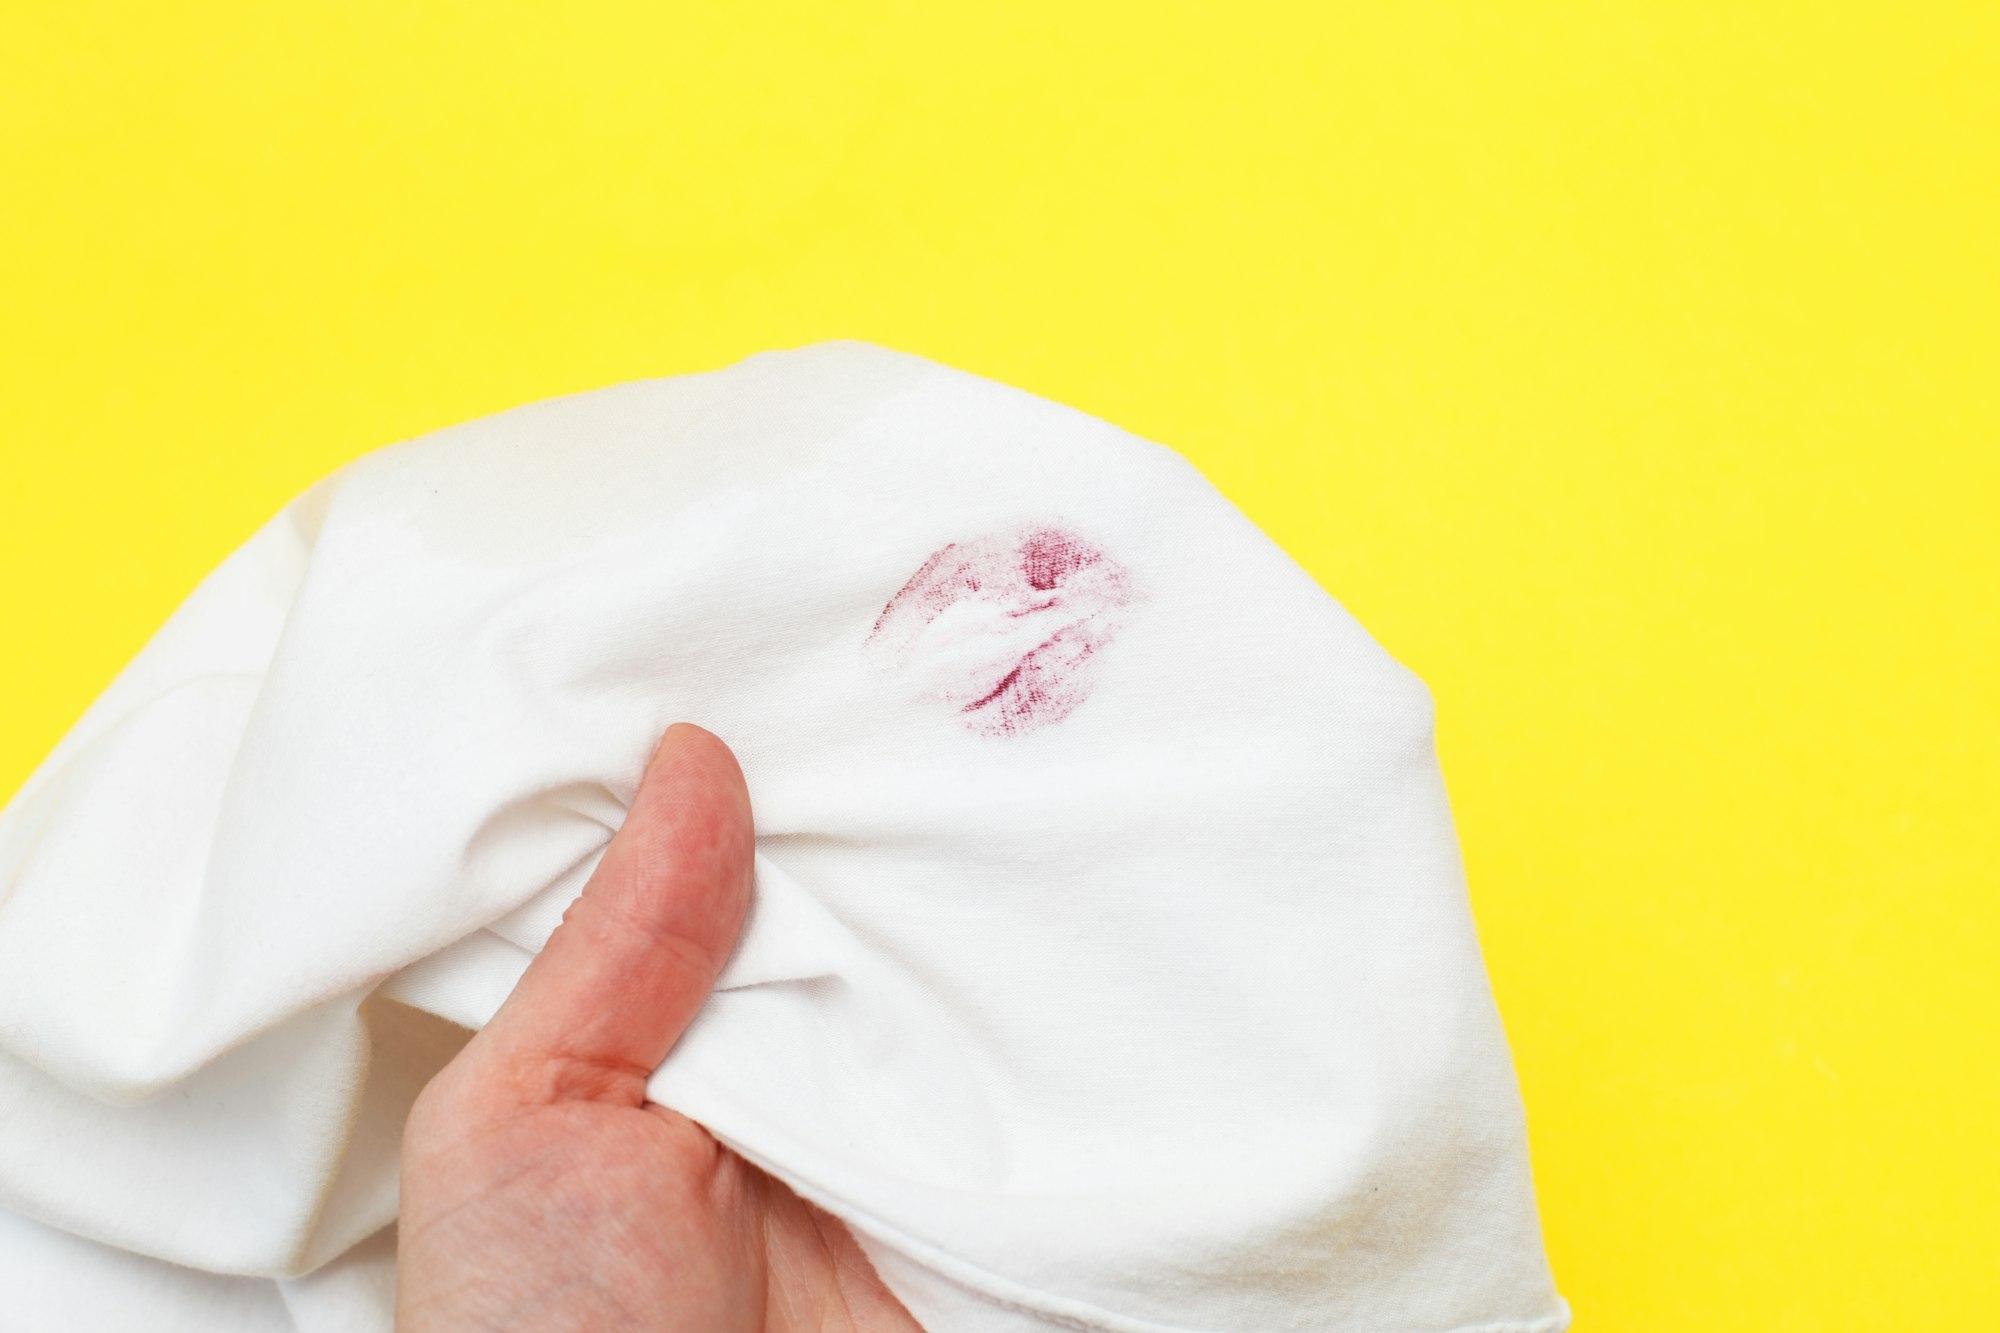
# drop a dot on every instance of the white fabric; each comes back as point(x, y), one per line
point(1110, 964)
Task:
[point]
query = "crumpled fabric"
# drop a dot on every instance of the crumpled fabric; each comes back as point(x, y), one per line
point(1109, 966)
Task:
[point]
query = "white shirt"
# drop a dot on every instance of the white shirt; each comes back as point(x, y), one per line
point(1109, 967)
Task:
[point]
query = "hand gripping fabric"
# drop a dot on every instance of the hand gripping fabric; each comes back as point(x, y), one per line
point(1110, 965)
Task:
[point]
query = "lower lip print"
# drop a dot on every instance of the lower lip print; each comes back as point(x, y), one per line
point(1007, 628)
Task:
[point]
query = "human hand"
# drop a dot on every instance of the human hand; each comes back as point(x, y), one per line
point(541, 1190)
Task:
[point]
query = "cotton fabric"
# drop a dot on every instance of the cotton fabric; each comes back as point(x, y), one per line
point(1109, 965)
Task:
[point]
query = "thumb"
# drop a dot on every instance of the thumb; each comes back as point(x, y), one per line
point(638, 953)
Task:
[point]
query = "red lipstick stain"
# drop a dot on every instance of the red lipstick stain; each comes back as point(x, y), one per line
point(1006, 629)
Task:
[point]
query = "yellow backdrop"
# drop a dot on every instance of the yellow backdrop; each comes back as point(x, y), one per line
point(1629, 368)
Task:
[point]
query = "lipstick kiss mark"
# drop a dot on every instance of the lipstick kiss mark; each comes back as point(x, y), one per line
point(1007, 628)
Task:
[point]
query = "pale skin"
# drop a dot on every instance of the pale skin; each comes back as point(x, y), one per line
point(542, 1191)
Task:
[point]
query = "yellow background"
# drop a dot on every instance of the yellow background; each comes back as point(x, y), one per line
point(1628, 368)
